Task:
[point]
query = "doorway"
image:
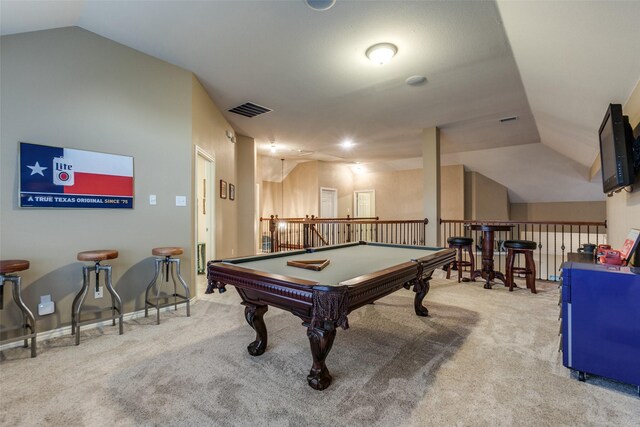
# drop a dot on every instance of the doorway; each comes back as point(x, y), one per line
point(328, 209)
point(328, 202)
point(364, 204)
point(205, 235)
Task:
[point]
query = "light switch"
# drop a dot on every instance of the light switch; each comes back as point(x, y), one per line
point(152, 199)
point(181, 200)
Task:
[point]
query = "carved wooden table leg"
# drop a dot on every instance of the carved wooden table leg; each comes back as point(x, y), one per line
point(487, 258)
point(498, 275)
point(254, 315)
point(321, 341)
point(421, 288)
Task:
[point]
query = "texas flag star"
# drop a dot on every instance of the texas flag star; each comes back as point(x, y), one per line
point(37, 169)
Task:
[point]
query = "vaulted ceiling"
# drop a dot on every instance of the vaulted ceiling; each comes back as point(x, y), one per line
point(554, 65)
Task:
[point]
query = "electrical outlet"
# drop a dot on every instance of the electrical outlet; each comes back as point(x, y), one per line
point(98, 293)
point(46, 306)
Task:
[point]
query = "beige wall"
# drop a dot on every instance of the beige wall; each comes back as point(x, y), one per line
point(301, 191)
point(246, 195)
point(623, 209)
point(270, 199)
point(485, 199)
point(340, 177)
point(452, 192)
point(71, 88)
point(562, 211)
point(431, 184)
point(209, 126)
point(398, 193)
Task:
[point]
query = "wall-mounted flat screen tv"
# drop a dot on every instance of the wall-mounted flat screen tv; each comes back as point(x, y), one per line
point(616, 141)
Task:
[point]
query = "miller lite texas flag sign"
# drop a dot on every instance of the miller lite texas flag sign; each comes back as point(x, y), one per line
point(54, 177)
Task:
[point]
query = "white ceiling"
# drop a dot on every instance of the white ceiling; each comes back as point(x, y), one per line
point(555, 65)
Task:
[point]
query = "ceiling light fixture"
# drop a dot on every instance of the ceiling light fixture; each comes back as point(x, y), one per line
point(347, 143)
point(381, 53)
point(320, 4)
point(273, 147)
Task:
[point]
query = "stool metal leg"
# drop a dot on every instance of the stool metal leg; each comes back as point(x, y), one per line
point(164, 268)
point(150, 285)
point(115, 298)
point(184, 285)
point(170, 263)
point(28, 321)
point(116, 302)
point(77, 303)
point(163, 276)
point(76, 299)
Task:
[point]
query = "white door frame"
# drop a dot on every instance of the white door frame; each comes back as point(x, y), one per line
point(199, 152)
point(335, 201)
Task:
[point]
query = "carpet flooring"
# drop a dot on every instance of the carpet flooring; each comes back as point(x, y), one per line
point(483, 357)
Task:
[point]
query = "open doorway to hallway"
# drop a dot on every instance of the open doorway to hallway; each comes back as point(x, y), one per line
point(205, 233)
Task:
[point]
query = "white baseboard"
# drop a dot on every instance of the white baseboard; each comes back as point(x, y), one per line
point(66, 330)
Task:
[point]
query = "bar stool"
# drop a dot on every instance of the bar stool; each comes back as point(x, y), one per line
point(526, 247)
point(116, 303)
point(164, 266)
point(28, 321)
point(460, 243)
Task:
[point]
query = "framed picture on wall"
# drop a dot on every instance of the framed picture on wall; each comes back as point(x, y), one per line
point(223, 189)
point(232, 192)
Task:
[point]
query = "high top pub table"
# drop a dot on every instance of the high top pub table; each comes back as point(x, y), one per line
point(487, 272)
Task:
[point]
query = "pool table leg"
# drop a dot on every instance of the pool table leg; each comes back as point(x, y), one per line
point(421, 288)
point(321, 340)
point(254, 315)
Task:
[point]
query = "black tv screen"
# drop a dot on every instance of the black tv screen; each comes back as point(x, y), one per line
point(616, 140)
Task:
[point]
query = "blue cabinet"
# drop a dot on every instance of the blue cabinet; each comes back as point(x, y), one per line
point(601, 321)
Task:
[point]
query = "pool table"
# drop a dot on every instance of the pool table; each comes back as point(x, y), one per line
point(357, 274)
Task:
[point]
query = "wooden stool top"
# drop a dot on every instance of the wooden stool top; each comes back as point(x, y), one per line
point(97, 255)
point(520, 244)
point(168, 251)
point(460, 240)
point(13, 265)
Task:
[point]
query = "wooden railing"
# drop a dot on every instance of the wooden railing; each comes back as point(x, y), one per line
point(554, 239)
point(282, 234)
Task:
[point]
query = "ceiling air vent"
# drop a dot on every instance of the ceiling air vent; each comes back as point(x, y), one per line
point(249, 109)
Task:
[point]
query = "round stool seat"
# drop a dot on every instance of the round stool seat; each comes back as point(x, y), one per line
point(97, 255)
point(13, 265)
point(168, 251)
point(520, 244)
point(462, 241)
